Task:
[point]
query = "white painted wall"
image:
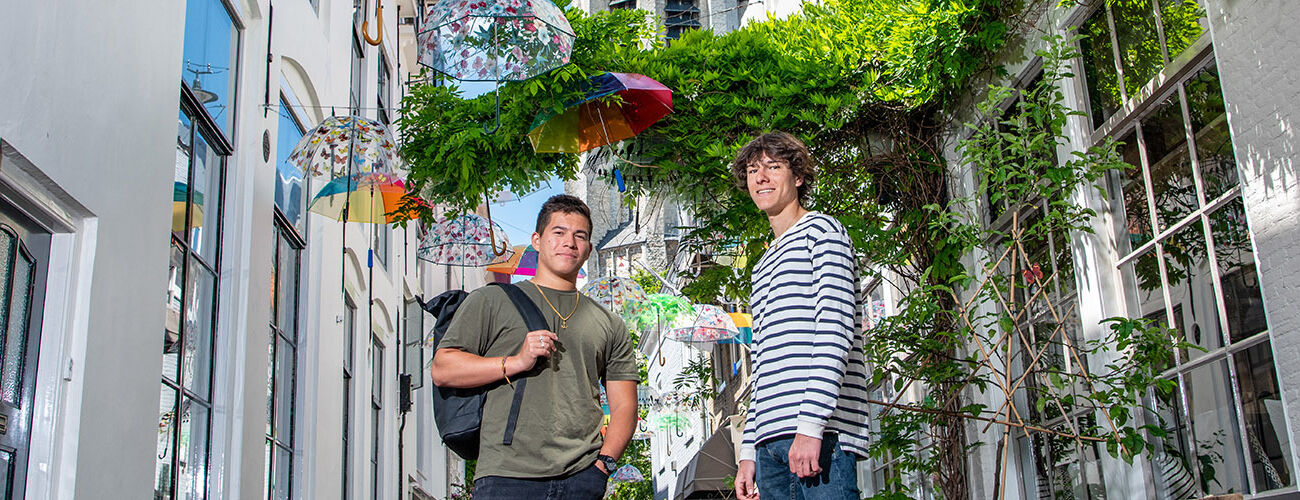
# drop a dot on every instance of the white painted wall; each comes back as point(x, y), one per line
point(88, 106)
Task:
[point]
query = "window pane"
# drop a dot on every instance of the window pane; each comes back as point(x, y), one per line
point(1172, 186)
point(210, 58)
point(200, 291)
point(181, 186)
point(283, 473)
point(377, 371)
point(1214, 429)
point(205, 200)
point(1191, 289)
point(166, 443)
point(1142, 287)
point(270, 383)
point(266, 474)
point(1173, 466)
point(1137, 216)
point(1139, 42)
point(290, 184)
point(287, 289)
point(1183, 22)
point(172, 325)
point(284, 392)
point(1261, 404)
point(1243, 303)
point(193, 450)
point(1213, 141)
point(1104, 96)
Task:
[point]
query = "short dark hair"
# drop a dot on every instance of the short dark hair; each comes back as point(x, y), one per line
point(776, 145)
point(562, 203)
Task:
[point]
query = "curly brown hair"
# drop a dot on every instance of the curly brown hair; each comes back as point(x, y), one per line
point(778, 146)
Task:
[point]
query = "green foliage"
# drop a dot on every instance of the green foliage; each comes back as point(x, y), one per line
point(646, 281)
point(637, 455)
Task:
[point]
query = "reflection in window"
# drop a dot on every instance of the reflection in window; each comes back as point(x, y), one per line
point(1214, 438)
point(1214, 153)
point(189, 322)
point(210, 59)
point(290, 183)
point(1183, 22)
point(1165, 138)
point(1140, 53)
point(282, 366)
point(1261, 401)
point(1236, 260)
point(1191, 287)
point(1098, 55)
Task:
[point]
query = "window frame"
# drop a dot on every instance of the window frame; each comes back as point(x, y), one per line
point(284, 234)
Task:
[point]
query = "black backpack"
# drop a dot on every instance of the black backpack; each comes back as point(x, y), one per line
point(459, 412)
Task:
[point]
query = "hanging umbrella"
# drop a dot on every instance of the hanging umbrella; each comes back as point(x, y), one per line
point(494, 40)
point(711, 324)
point(180, 193)
point(369, 197)
point(614, 293)
point(626, 474)
point(466, 241)
point(522, 263)
point(658, 310)
point(593, 122)
point(342, 146)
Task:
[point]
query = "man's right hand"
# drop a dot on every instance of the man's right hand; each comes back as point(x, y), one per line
point(538, 344)
point(745, 487)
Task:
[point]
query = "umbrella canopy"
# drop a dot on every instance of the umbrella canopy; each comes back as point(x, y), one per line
point(522, 263)
point(494, 40)
point(592, 122)
point(626, 474)
point(368, 198)
point(614, 293)
point(346, 145)
point(711, 324)
point(465, 241)
point(657, 311)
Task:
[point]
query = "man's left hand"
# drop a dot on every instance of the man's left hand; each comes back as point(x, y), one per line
point(601, 465)
point(804, 454)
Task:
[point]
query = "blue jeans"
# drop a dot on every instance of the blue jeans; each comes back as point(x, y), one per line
point(838, 480)
point(586, 484)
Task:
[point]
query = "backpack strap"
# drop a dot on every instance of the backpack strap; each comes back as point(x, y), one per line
point(533, 320)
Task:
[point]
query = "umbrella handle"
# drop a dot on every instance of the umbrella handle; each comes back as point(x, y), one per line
point(492, 237)
point(379, 26)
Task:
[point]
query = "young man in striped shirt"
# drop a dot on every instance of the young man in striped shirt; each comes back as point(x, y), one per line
point(807, 422)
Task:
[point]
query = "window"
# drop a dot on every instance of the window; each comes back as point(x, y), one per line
point(413, 345)
point(282, 365)
point(384, 90)
point(679, 16)
point(349, 361)
point(622, 5)
point(1187, 259)
point(210, 59)
point(383, 241)
point(189, 324)
point(290, 184)
point(1146, 35)
point(376, 412)
point(358, 81)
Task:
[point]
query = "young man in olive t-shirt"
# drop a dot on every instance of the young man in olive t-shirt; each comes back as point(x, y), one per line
point(557, 450)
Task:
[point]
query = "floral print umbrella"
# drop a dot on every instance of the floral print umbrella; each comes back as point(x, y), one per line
point(711, 324)
point(466, 241)
point(494, 40)
point(342, 146)
point(628, 473)
point(614, 293)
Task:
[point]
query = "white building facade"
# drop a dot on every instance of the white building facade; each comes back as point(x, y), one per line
point(145, 191)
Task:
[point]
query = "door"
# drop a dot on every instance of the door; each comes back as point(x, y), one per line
point(24, 255)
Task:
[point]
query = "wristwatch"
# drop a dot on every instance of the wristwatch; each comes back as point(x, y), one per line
point(608, 462)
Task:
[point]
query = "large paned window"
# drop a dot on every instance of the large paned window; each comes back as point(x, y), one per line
point(358, 78)
point(282, 364)
point(376, 414)
point(1187, 258)
point(204, 124)
point(349, 361)
point(384, 91)
point(189, 330)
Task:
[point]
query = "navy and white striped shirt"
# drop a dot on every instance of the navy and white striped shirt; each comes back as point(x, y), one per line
point(810, 376)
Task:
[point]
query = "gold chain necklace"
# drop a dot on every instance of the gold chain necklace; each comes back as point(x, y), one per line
point(564, 320)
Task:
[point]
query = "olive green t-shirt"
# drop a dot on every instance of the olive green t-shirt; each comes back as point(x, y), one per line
point(558, 431)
